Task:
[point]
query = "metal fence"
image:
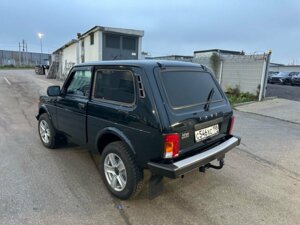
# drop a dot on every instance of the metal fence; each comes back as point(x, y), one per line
point(16, 58)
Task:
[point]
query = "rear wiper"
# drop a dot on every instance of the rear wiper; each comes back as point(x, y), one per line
point(210, 95)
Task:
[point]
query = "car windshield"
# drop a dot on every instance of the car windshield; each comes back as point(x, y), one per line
point(282, 74)
point(189, 88)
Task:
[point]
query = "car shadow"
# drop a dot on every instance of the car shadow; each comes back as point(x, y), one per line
point(68, 146)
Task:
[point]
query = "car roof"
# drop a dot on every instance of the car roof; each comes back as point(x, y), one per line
point(142, 63)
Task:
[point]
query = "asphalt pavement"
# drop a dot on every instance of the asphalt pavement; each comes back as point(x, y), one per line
point(259, 184)
point(279, 108)
point(283, 91)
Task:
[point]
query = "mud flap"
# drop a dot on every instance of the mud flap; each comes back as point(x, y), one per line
point(156, 186)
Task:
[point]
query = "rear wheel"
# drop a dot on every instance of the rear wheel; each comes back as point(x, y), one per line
point(46, 131)
point(120, 173)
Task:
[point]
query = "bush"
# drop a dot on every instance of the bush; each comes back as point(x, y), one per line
point(235, 96)
point(214, 61)
point(233, 91)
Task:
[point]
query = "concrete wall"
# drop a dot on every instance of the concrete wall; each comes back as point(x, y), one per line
point(206, 62)
point(100, 44)
point(91, 52)
point(140, 39)
point(68, 60)
point(244, 71)
point(203, 54)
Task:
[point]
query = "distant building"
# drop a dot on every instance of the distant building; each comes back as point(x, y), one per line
point(276, 67)
point(23, 58)
point(209, 52)
point(173, 57)
point(97, 44)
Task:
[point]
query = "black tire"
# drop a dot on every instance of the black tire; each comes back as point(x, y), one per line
point(44, 119)
point(134, 182)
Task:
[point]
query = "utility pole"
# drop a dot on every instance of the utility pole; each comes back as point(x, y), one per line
point(20, 63)
point(23, 49)
point(26, 54)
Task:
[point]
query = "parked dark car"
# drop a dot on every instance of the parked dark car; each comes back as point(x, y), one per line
point(40, 69)
point(295, 79)
point(270, 74)
point(281, 78)
point(168, 117)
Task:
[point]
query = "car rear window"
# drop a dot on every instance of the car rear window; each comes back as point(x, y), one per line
point(189, 88)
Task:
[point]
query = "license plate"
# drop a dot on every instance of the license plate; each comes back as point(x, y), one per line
point(207, 132)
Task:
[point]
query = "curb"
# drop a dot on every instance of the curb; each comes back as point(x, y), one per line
point(247, 103)
point(243, 103)
point(271, 117)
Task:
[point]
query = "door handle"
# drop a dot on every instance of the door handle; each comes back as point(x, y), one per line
point(81, 106)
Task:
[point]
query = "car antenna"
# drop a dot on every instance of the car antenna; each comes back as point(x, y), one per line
point(203, 67)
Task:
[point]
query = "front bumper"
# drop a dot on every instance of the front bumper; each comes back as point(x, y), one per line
point(176, 169)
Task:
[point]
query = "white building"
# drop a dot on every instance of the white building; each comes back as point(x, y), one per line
point(97, 44)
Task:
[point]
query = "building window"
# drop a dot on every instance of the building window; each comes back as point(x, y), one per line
point(112, 41)
point(82, 43)
point(92, 38)
point(129, 43)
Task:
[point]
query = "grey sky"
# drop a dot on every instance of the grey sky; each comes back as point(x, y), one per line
point(171, 27)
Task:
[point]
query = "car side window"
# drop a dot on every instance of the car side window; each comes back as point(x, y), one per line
point(80, 83)
point(114, 85)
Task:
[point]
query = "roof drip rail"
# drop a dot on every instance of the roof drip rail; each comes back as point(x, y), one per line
point(161, 66)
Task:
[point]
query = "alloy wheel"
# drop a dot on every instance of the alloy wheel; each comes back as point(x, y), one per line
point(45, 131)
point(115, 172)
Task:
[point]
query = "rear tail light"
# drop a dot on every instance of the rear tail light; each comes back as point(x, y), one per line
point(171, 145)
point(231, 125)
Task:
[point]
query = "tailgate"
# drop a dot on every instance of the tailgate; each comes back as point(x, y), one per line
point(196, 106)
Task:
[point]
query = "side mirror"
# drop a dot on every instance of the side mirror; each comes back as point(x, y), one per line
point(53, 91)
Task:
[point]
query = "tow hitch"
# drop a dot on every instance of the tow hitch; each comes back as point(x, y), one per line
point(209, 165)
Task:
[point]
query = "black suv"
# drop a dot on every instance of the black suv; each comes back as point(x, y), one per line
point(282, 78)
point(166, 116)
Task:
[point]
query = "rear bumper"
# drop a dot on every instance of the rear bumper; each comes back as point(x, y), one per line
point(176, 169)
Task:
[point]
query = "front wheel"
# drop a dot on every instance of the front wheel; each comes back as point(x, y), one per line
point(46, 131)
point(120, 173)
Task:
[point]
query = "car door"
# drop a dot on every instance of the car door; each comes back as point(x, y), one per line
point(72, 105)
point(113, 102)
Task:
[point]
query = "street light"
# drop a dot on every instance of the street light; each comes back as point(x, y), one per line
point(40, 35)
